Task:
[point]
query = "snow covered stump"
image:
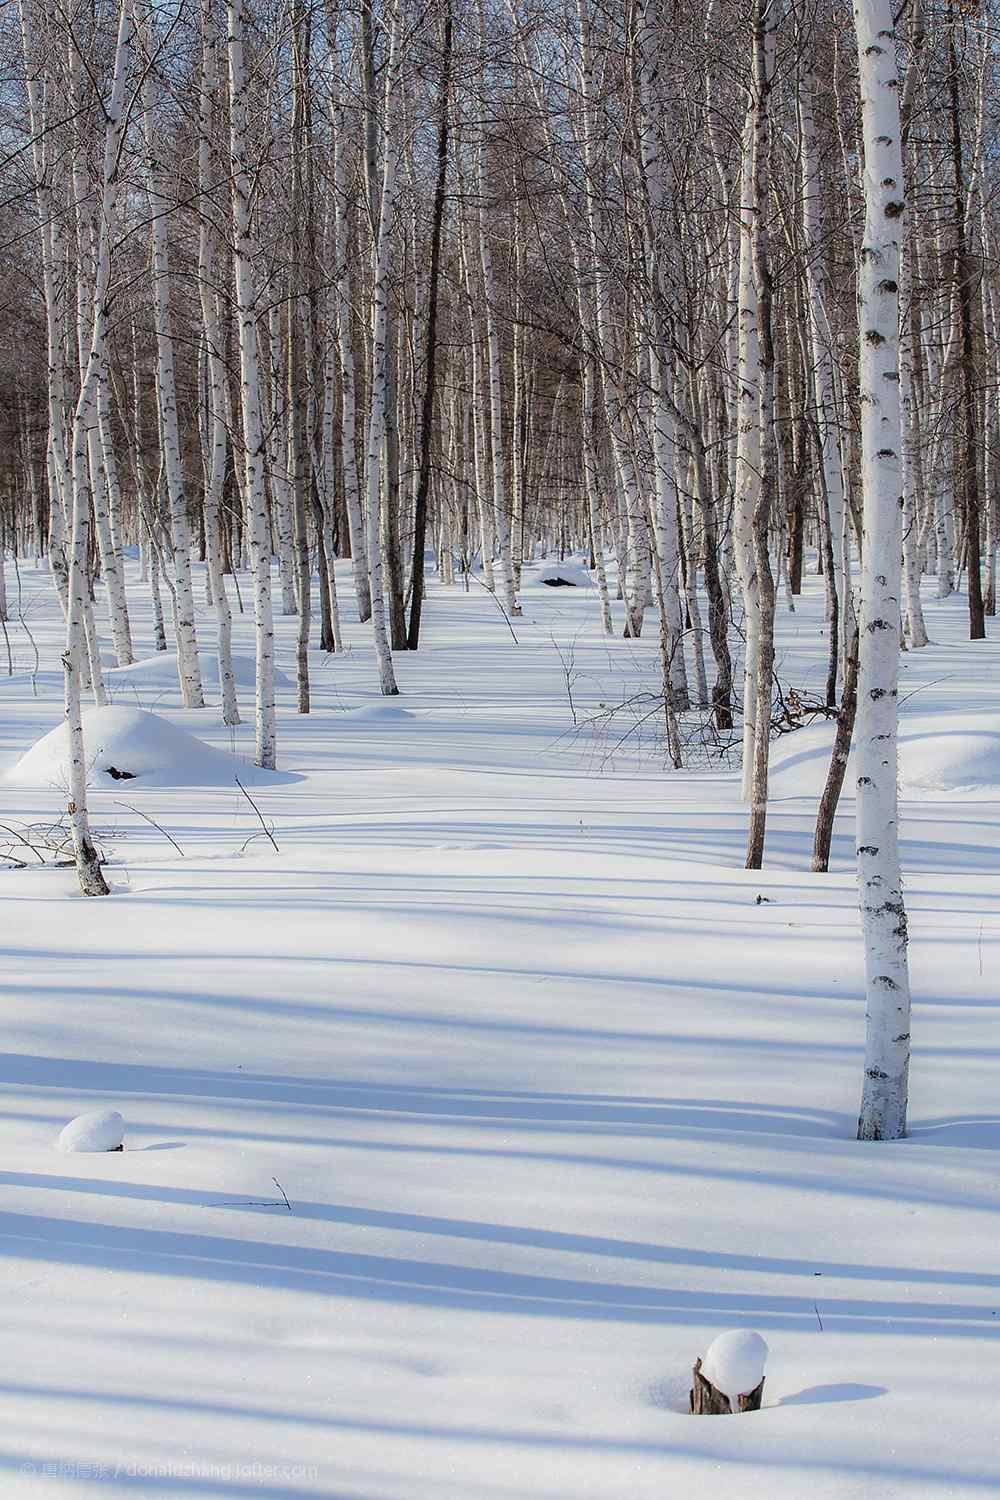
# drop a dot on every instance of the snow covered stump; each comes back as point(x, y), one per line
point(103, 1130)
point(731, 1376)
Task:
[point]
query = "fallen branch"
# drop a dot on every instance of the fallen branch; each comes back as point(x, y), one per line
point(257, 810)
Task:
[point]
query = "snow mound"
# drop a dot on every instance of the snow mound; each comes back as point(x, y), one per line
point(959, 757)
point(159, 674)
point(800, 761)
point(152, 750)
point(374, 713)
point(735, 1363)
point(964, 756)
point(104, 1130)
point(571, 573)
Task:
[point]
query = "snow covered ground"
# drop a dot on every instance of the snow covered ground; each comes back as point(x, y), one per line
point(458, 1127)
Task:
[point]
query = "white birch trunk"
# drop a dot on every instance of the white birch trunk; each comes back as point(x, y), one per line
point(39, 88)
point(215, 418)
point(822, 357)
point(913, 614)
point(92, 234)
point(348, 404)
point(380, 317)
point(501, 507)
point(748, 446)
point(693, 547)
point(614, 394)
point(79, 615)
point(250, 389)
point(663, 505)
point(887, 1049)
point(277, 449)
point(478, 435)
point(188, 669)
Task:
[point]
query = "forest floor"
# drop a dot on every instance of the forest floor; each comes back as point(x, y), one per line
point(470, 1116)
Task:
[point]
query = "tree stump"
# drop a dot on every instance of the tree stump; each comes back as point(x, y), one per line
point(706, 1401)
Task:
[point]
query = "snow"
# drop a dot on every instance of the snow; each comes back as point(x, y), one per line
point(158, 674)
point(734, 1363)
point(571, 571)
point(100, 1130)
point(150, 748)
point(553, 1100)
point(381, 713)
point(959, 755)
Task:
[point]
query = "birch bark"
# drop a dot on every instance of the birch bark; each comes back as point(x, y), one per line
point(501, 506)
point(380, 319)
point(250, 390)
point(663, 508)
point(89, 873)
point(348, 404)
point(188, 668)
point(821, 355)
point(39, 86)
point(887, 1048)
point(209, 252)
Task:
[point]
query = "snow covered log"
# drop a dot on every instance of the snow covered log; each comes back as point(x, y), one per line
point(706, 1401)
point(731, 1376)
point(102, 1130)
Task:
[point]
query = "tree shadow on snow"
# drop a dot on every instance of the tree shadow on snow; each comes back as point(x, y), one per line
point(822, 1395)
point(407, 1281)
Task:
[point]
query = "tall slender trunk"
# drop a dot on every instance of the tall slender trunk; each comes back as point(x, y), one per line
point(342, 294)
point(85, 419)
point(820, 338)
point(250, 391)
point(188, 669)
point(297, 396)
point(209, 254)
point(763, 663)
point(430, 355)
point(965, 279)
point(823, 836)
point(39, 86)
point(380, 354)
point(887, 1049)
point(663, 505)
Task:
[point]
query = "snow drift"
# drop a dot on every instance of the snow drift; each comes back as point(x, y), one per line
point(571, 572)
point(101, 1130)
point(373, 713)
point(159, 674)
point(151, 750)
point(957, 756)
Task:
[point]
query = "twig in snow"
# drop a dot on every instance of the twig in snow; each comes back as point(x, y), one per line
point(914, 691)
point(819, 1320)
point(24, 626)
point(568, 664)
point(18, 841)
point(282, 1192)
point(496, 601)
point(153, 823)
point(258, 812)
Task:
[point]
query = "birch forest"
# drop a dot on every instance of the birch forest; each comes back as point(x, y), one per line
point(610, 390)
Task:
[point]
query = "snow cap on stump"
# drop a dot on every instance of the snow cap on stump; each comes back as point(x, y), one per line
point(734, 1363)
point(104, 1130)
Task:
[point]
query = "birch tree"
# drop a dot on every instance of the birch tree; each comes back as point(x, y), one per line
point(188, 667)
point(379, 326)
point(883, 914)
point(216, 442)
point(254, 440)
point(91, 877)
